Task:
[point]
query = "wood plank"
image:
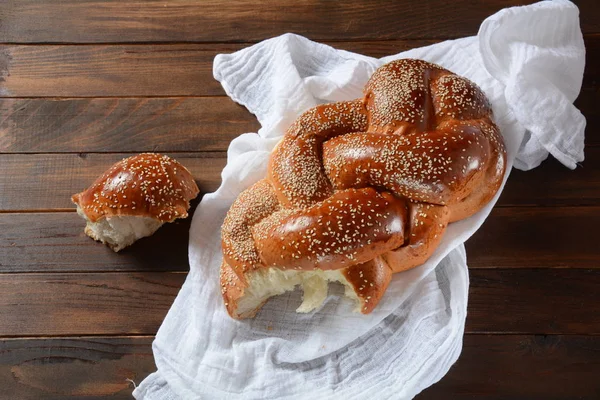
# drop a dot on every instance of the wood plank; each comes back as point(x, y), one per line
point(55, 242)
point(536, 237)
point(121, 124)
point(534, 301)
point(53, 369)
point(93, 21)
point(86, 304)
point(95, 71)
point(154, 70)
point(381, 48)
point(591, 75)
point(557, 301)
point(553, 184)
point(131, 70)
point(47, 181)
point(153, 124)
point(490, 366)
point(522, 367)
point(587, 103)
point(553, 237)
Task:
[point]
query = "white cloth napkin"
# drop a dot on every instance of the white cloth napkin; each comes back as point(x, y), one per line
point(528, 60)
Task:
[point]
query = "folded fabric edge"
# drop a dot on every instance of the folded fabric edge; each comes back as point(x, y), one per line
point(158, 385)
point(544, 132)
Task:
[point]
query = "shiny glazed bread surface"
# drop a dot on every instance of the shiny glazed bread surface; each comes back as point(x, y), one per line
point(371, 182)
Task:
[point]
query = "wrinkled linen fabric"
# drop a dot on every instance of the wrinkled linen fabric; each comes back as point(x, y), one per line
point(528, 60)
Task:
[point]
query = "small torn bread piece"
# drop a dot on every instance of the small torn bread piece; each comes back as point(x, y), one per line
point(134, 198)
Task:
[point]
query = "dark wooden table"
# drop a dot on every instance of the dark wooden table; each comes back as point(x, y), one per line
point(83, 83)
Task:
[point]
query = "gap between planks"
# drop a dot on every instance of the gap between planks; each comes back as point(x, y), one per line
point(15, 338)
point(8, 338)
point(590, 35)
point(234, 42)
point(77, 71)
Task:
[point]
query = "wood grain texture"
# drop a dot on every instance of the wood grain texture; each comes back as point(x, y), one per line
point(549, 237)
point(47, 181)
point(495, 367)
point(553, 184)
point(74, 368)
point(534, 301)
point(154, 124)
point(130, 70)
point(92, 21)
point(121, 124)
point(534, 269)
point(155, 70)
point(587, 103)
point(564, 301)
point(522, 367)
point(591, 75)
point(55, 242)
point(109, 70)
point(85, 304)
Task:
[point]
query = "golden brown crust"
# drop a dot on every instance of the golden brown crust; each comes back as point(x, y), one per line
point(146, 185)
point(295, 168)
point(438, 167)
point(251, 206)
point(351, 227)
point(369, 281)
point(422, 138)
point(490, 182)
point(427, 225)
point(232, 289)
point(397, 96)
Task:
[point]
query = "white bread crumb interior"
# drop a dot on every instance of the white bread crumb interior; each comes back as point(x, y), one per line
point(269, 282)
point(119, 232)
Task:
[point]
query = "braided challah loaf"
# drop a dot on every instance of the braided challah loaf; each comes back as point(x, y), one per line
point(359, 190)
